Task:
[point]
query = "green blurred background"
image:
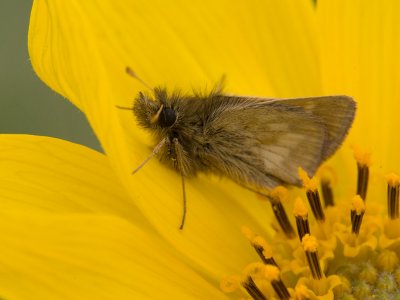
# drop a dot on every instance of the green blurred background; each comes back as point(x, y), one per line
point(27, 105)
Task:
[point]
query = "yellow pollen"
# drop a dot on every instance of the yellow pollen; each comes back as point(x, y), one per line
point(230, 284)
point(267, 252)
point(260, 241)
point(309, 243)
point(309, 183)
point(271, 273)
point(388, 260)
point(300, 208)
point(358, 204)
point(254, 270)
point(248, 233)
point(362, 157)
point(393, 179)
point(280, 193)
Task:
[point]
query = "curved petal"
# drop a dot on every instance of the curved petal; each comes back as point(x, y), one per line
point(360, 43)
point(43, 174)
point(47, 256)
point(265, 48)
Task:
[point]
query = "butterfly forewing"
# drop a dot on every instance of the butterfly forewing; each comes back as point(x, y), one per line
point(336, 113)
point(262, 142)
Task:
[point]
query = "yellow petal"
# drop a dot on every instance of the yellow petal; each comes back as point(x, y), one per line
point(360, 42)
point(48, 256)
point(42, 174)
point(262, 46)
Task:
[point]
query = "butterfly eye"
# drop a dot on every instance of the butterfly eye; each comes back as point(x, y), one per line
point(167, 117)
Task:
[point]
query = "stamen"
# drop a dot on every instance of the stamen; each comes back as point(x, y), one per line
point(252, 289)
point(301, 213)
point(272, 273)
point(310, 248)
point(276, 196)
point(327, 192)
point(327, 179)
point(363, 163)
point(362, 180)
point(312, 195)
point(357, 214)
point(254, 270)
point(393, 195)
point(261, 246)
point(264, 251)
point(280, 192)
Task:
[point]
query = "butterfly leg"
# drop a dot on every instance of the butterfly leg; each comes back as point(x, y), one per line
point(184, 204)
point(154, 152)
point(179, 157)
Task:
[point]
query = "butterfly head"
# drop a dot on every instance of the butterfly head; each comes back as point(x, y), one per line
point(154, 111)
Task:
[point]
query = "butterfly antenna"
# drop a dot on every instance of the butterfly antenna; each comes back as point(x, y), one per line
point(184, 204)
point(124, 107)
point(132, 73)
point(154, 152)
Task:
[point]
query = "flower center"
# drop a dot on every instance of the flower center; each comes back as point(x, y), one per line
point(351, 251)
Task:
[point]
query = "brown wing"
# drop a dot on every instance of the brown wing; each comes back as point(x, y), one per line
point(336, 113)
point(264, 141)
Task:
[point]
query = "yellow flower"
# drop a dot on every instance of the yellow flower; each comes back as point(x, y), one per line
point(77, 224)
point(68, 230)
